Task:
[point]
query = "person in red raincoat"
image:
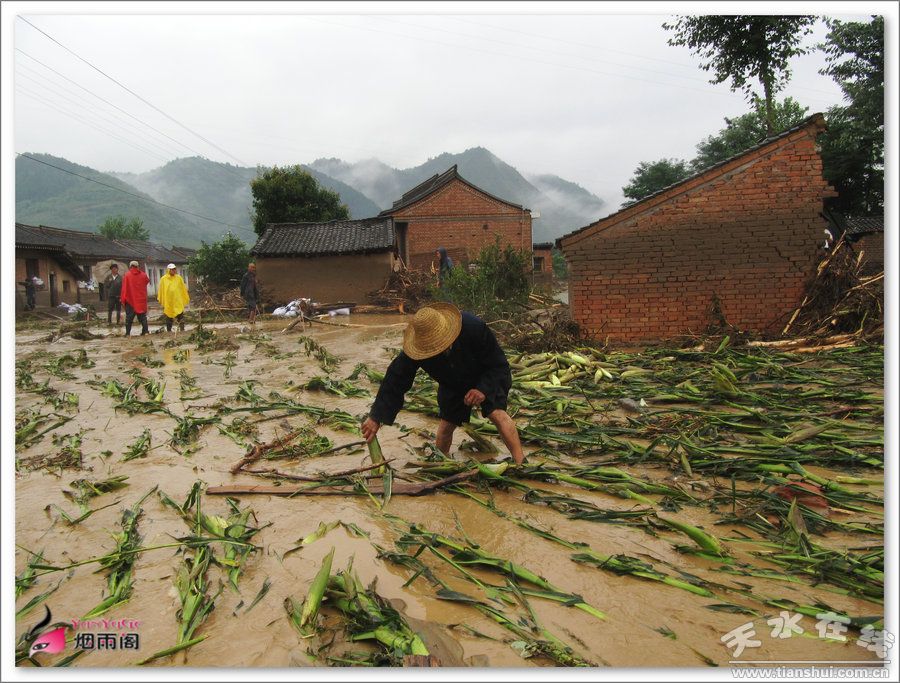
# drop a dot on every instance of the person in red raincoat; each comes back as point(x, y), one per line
point(134, 297)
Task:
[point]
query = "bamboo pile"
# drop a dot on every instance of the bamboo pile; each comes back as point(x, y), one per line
point(841, 299)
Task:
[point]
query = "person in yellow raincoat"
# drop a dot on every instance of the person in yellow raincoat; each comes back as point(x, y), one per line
point(173, 296)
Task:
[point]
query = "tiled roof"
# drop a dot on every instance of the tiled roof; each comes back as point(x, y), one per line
point(156, 253)
point(433, 184)
point(542, 245)
point(861, 225)
point(29, 238)
point(323, 239)
point(78, 243)
point(817, 119)
point(187, 252)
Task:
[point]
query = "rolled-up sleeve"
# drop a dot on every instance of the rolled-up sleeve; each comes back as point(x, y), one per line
point(397, 381)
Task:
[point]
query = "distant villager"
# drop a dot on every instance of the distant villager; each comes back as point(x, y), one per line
point(250, 291)
point(112, 287)
point(445, 265)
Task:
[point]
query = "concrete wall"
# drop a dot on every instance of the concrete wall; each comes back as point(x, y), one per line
point(324, 279)
point(746, 235)
point(463, 220)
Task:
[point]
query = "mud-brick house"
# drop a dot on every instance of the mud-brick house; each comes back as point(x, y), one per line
point(45, 257)
point(448, 211)
point(741, 239)
point(326, 262)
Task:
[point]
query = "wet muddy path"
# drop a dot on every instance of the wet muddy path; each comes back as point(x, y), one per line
point(647, 623)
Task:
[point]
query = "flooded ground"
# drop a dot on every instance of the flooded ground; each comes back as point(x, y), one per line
point(646, 623)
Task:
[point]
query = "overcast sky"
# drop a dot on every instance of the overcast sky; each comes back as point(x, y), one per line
point(586, 97)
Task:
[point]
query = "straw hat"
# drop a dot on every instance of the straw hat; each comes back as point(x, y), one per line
point(434, 329)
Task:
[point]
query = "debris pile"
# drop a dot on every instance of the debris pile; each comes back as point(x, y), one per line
point(294, 308)
point(221, 298)
point(841, 299)
point(405, 291)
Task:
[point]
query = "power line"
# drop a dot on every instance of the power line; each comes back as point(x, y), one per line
point(455, 46)
point(124, 87)
point(76, 117)
point(91, 111)
point(609, 49)
point(50, 68)
point(130, 115)
point(146, 199)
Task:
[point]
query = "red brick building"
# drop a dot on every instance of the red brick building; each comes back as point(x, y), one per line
point(743, 236)
point(448, 211)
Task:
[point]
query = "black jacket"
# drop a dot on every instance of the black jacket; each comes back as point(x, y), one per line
point(474, 361)
point(249, 289)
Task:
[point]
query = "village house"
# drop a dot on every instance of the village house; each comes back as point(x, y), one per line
point(739, 240)
point(542, 264)
point(448, 211)
point(327, 262)
point(74, 263)
point(41, 256)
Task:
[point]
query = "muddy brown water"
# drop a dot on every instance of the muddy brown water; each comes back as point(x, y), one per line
point(636, 609)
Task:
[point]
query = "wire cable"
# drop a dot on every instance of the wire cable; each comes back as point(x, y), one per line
point(121, 85)
point(146, 199)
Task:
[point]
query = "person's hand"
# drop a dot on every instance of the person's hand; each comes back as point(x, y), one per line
point(473, 398)
point(369, 429)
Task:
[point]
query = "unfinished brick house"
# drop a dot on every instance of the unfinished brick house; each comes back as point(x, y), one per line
point(448, 211)
point(741, 239)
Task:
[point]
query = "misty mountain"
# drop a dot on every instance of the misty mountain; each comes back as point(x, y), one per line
point(563, 205)
point(46, 196)
point(222, 191)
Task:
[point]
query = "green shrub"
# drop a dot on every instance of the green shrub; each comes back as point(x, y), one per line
point(494, 284)
point(221, 263)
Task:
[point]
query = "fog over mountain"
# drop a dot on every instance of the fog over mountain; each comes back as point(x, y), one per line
point(222, 192)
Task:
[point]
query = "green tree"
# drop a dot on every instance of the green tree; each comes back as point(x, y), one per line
point(118, 227)
point(745, 131)
point(743, 48)
point(560, 267)
point(221, 263)
point(853, 145)
point(652, 176)
point(291, 195)
point(497, 284)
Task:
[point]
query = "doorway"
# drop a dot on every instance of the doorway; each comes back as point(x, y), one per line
point(54, 298)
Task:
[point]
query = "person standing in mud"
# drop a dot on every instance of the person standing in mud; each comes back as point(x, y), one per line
point(445, 265)
point(134, 297)
point(250, 291)
point(112, 287)
point(173, 296)
point(460, 352)
point(29, 285)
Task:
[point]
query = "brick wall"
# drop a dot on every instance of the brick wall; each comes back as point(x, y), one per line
point(463, 220)
point(746, 235)
point(872, 246)
point(547, 259)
